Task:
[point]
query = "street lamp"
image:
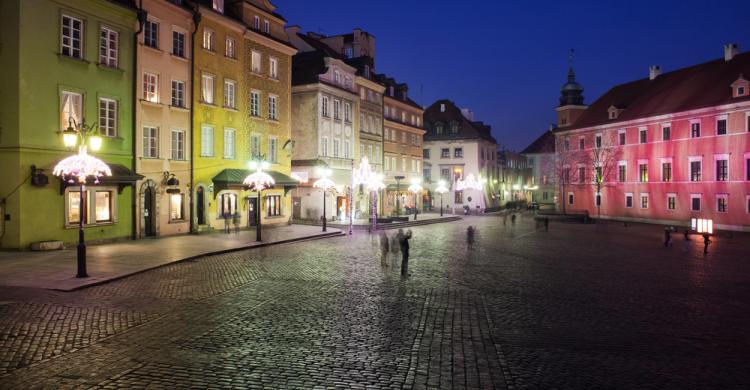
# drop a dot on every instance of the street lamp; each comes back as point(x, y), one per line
point(441, 189)
point(81, 166)
point(257, 181)
point(324, 184)
point(398, 194)
point(373, 182)
point(415, 188)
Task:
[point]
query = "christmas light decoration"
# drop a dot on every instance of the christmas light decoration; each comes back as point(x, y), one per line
point(81, 166)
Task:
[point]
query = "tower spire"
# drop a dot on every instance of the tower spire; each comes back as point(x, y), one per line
point(571, 92)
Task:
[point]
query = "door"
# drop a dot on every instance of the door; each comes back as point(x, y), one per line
point(296, 207)
point(252, 211)
point(149, 216)
point(200, 210)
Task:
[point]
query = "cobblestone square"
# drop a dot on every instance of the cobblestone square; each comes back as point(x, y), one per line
point(578, 307)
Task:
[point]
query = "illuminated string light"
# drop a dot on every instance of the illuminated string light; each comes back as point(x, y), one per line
point(81, 166)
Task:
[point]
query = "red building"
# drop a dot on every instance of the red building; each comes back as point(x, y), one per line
point(663, 149)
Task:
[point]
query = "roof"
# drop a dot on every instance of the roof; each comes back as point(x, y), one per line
point(467, 129)
point(544, 144)
point(697, 86)
point(307, 67)
point(232, 177)
point(320, 46)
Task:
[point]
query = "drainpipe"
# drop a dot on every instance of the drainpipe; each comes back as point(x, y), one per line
point(142, 15)
point(196, 22)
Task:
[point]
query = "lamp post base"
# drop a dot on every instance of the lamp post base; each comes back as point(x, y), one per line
point(81, 261)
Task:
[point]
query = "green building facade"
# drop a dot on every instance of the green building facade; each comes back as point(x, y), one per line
point(64, 59)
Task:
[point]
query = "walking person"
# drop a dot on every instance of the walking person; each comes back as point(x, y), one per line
point(706, 242)
point(404, 244)
point(384, 248)
point(667, 236)
point(513, 219)
point(236, 222)
point(227, 217)
point(470, 237)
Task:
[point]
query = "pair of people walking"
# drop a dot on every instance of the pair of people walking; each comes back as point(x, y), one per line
point(399, 242)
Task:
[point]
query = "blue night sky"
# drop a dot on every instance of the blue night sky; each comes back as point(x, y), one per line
point(507, 60)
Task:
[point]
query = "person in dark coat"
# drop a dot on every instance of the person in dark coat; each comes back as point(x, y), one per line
point(706, 242)
point(384, 248)
point(470, 237)
point(667, 236)
point(513, 219)
point(404, 244)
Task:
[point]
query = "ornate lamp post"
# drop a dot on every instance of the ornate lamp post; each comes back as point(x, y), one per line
point(78, 168)
point(415, 189)
point(398, 193)
point(373, 182)
point(324, 184)
point(258, 181)
point(441, 189)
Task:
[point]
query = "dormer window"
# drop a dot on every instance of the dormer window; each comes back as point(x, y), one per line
point(740, 87)
point(614, 112)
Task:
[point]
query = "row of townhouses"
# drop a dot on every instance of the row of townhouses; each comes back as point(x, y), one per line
point(184, 94)
point(666, 148)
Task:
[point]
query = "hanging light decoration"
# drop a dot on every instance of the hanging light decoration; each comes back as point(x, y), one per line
point(259, 180)
point(81, 166)
point(415, 187)
point(441, 188)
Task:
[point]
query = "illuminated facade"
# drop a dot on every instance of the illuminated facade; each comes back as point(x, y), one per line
point(664, 149)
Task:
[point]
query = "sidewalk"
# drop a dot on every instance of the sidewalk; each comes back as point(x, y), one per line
point(55, 270)
point(364, 224)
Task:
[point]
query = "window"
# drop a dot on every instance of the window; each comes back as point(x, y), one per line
point(255, 146)
point(272, 150)
point(566, 144)
point(207, 141)
point(695, 202)
point(622, 172)
point(108, 47)
point(347, 146)
point(176, 202)
point(644, 201)
point(151, 34)
point(643, 172)
point(671, 201)
point(336, 146)
point(207, 88)
point(74, 207)
point(581, 174)
point(621, 136)
point(229, 94)
point(178, 93)
point(695, 170)
point(362, 123)
point(581, 143)
point(108, 117)
point(324, 106)
point(273, 205)
point(445, 153)
point(337, 76)
point(721, 203)
point(387, 161)
point(747, 201)
point(229, 143)
point(178, 145)
point(336, 109)
point(666, 133)
point(598, 199)
point(722, 169)
point(629, 200)
point(347, 112)
point(150, 142)
point(349, 52)
point(230, 48)
point(695, 130)
point(445, 174)
point(266, 26)
point(218, 5)
point(273, 68)
point(571, 198)
point(255, 62)
point(273, 109)
point(747, 168)
point(666, 171)
point(324, 147)
point(178, 44)
point(642, 136)
point(227, 204)
point(151, 87)
point(208, 39)
point(438, 128)
point(425, 153)
point(254, 103)
point(403, 164)
point(103, 206)
point(72, 37)
point(721, 127)
point(598, 141)
point(71, 108)
point(458, 152)
point(256, 22)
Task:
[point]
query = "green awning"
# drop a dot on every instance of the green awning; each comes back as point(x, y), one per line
point(233, 178)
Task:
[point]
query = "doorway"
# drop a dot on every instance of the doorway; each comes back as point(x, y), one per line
point(200, 210)
point(149, 215)
point(252, 211)
point(296, 207)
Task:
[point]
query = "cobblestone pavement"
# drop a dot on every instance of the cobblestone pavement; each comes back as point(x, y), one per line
point(581, 306)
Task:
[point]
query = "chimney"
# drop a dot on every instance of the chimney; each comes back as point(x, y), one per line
point(653, 71)
point(468, 114)
point(730, 50)
point(293, 30)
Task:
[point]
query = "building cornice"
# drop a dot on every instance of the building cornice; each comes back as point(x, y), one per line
point(401, 126)
point(269, 42)
point(377, 87)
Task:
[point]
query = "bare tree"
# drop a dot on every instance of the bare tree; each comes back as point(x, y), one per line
point(603, 159)
point(564, 162)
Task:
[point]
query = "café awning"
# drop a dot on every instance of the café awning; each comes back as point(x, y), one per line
point(234, 178)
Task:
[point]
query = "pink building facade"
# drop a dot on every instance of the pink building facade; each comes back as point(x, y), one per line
point(664, 149)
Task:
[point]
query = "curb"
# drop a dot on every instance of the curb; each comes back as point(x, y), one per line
point(194, 257)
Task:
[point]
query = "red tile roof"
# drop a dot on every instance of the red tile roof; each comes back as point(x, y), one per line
point(698, 86)
point(544, 144)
